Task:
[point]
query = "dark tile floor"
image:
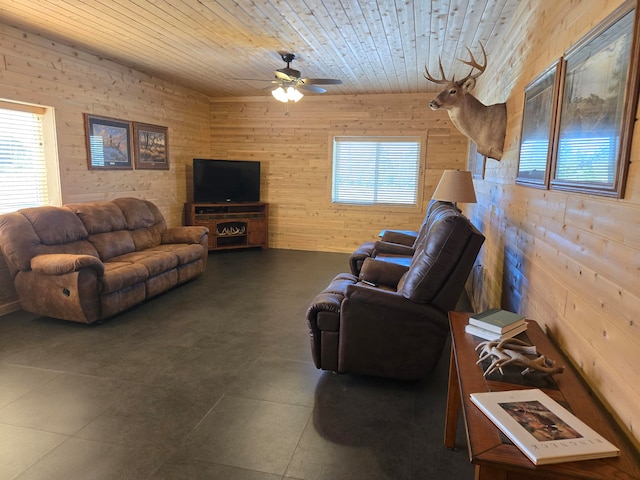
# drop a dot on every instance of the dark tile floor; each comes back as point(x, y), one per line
point(212, 380)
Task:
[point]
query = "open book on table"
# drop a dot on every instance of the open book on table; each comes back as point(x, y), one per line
point(544, 430)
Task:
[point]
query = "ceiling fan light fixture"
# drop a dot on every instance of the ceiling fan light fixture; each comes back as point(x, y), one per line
point(280, 95)
point(294, 94)
point(284, 96)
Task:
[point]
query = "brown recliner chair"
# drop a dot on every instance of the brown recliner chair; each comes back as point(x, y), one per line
point(396, 246)
point(392, 321)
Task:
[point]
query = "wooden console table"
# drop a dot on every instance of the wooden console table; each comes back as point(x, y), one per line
point(494, 456)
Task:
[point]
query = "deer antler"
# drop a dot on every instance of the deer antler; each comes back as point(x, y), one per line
point(474, 64)
point(513, 350)
point(440, 81)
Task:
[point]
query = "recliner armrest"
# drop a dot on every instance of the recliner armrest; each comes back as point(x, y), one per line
point(63, 263)
point(384, 302)
point(396, 236)
point(393, 249)
point(379, 272)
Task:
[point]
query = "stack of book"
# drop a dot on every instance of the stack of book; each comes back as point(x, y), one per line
point(496, 324)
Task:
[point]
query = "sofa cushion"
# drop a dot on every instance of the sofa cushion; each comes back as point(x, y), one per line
point(185, 253)
point(137, 212)
point(156, 262)
point(113, 244)
point(145, 238)
point(107, 228)
point(19, 241)
point(144, 220)
point(120, 275)
point(55, 225)
point(99, 217)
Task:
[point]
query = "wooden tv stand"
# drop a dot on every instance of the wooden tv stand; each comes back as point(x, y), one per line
point(231, 225)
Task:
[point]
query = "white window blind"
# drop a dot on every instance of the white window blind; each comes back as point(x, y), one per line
point(23, 175)
point(376, 170)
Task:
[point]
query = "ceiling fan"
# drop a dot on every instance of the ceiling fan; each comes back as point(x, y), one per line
point(290, 82)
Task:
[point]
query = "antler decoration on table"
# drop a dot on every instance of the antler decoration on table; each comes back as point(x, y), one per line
point(514, 351)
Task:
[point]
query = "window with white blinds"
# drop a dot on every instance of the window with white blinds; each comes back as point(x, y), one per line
point(376, 170)
point(23, 168)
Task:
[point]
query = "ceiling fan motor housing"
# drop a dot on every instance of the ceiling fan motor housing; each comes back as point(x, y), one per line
point(291, 72)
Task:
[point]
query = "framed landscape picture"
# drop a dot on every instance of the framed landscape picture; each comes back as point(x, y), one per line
point(540, 103)
point(151, 146)
point(599, 101)
point(108, 143)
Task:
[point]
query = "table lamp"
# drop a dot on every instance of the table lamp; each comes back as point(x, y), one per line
point(455, 186)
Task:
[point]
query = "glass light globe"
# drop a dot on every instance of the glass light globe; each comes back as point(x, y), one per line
point(280, 95)
point(293, 94)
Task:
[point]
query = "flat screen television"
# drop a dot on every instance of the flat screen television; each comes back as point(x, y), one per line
point(221, 181)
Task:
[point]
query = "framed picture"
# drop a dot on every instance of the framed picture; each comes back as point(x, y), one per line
point(108, 143)
point(151, 146)
point(538, 125)
point(599, 102)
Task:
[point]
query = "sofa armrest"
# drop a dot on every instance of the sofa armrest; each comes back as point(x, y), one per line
point(190, 234)
point(401, 237)
point(63, 263)
point(379, 272)
point(393, 249)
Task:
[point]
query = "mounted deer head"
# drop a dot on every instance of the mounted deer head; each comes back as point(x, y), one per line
point(486, 125)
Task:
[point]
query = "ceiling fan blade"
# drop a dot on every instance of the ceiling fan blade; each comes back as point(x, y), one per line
point(321, 81)
point(311, 88)
point(284, 76)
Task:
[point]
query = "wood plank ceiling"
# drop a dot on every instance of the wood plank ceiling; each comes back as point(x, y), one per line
point(230, 47)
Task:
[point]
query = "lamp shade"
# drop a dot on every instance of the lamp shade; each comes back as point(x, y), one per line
point(455, 186)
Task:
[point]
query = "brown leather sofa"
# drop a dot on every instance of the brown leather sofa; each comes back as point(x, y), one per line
point(85, 262)
point(391, 321)
point(396, 246)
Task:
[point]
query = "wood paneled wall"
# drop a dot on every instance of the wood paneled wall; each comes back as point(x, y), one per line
point(567, 260)
point(36, 70)
point(295, 150)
